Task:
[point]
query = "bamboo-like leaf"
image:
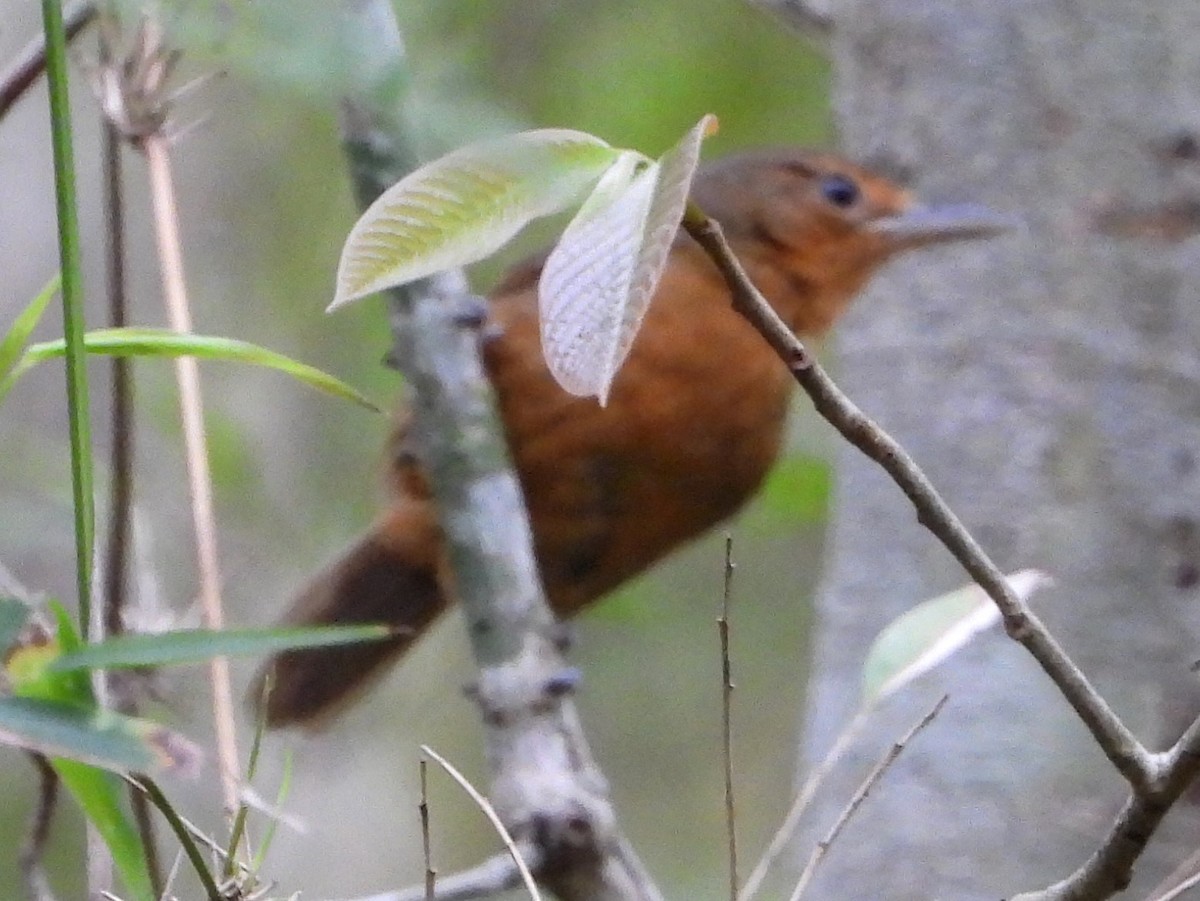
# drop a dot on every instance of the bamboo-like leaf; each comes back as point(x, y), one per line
point(599, 279)
point(197, 645)
point(150, 342)
point(94, 736)
point(465, 206)
point(12, 345)
point(924, 636)
point(100, 794)
point(55, 714)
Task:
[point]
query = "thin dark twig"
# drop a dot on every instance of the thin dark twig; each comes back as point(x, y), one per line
point(860, 795)
point(116, 552)
point(31, 63)
point(426, 845)
point(33, 849)
point(120, 498)
point(727, 720)
point(1114, 737)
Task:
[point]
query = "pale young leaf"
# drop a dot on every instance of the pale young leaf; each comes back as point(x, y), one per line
point(466, 205)
point(598, 282)
point(926, 635)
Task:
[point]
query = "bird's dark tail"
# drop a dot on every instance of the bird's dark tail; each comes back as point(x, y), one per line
point(393, 576)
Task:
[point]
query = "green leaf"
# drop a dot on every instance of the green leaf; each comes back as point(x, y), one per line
point(465, 206)
point(601, 276)
point(149, 342)
point(13, 614)
point(27, 666)
point(99, 794)
point(14, 341)
point(94, 736)
point(924, 636)
point(197, 645)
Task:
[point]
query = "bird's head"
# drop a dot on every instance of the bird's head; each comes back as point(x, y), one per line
point(826, 224)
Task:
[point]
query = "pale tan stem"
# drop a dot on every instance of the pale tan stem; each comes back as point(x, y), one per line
point(187, 375)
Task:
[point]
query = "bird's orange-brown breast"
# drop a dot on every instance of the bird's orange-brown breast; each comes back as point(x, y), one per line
point(691, 426)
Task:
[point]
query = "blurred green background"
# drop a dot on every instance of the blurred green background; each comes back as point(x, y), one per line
point(265, 206)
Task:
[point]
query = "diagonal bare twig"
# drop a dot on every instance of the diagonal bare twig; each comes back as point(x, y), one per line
point(860, 795)
point(1114, 737)
point(1156, 780)
point(31, 63)
point(804, 797)
point(134, 95)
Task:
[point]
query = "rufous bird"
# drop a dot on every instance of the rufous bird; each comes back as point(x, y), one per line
point(693, 423)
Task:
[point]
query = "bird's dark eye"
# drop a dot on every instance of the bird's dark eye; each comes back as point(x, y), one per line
point(839, 190)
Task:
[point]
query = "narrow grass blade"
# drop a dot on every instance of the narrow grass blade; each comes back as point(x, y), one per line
point(148, 342)
point(12, 345)
point(100, 795)
point(198, 645)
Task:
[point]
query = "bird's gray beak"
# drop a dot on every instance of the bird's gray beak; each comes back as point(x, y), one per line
point(922, 225)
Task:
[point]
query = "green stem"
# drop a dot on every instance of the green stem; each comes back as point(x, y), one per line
point(192, 852)
point(72, 297)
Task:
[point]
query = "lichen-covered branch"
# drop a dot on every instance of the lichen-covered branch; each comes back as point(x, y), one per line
point(545, 786)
